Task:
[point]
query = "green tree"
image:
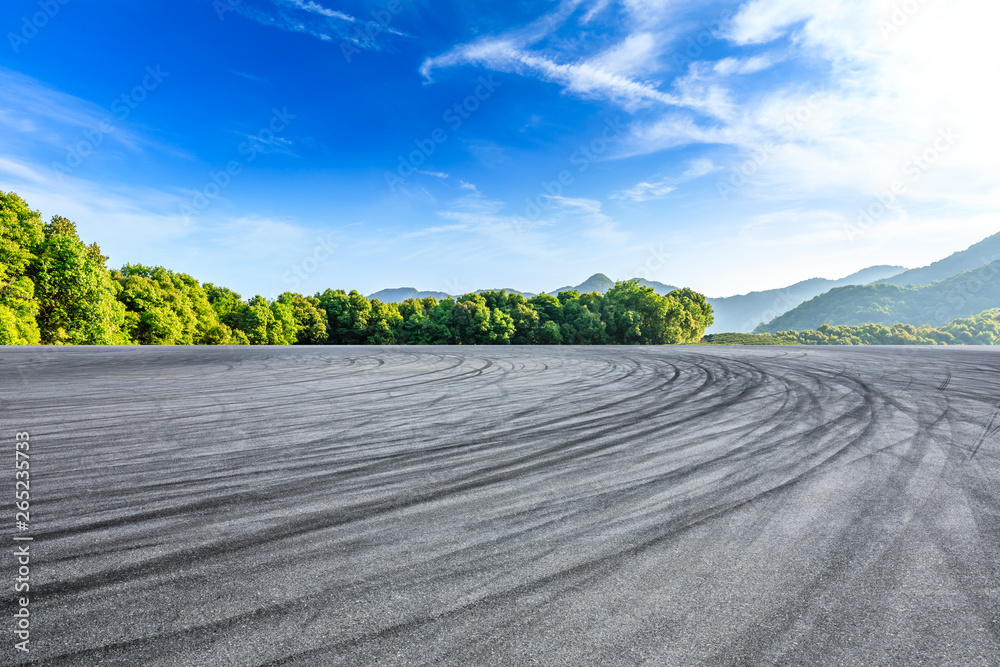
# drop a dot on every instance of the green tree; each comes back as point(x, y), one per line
point(21, 232)
point(549, 334)
point(548, 308)
point(165, 308)
point(284, 330)
point(470, 319)
point(225, 302)
point(501, 327)
point(76, 295)
point(581, 326)
point(382, 323)
point(310, 321)
point(526, 322)
point(699, 316)
point(337, 305)
point(256, 321)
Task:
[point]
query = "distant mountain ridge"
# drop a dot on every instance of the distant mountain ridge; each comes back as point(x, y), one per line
point(601, 283)
point(595, 283)
point(400, 294)
point(744, 312)
point(979, 254)
point(961, 285)
point(736, 314)
point(963, 295)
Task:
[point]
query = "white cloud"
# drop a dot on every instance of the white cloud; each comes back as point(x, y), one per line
point(866, 87)
point(435, 174)
point(660, 188)
point(729, 66)
point(645, 191)
point(587, 79)
point(314, 19)
point(21, 171)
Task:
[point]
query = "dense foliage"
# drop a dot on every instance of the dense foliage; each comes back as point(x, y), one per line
point(54, 289)
point(982, 329)
point(962, 295)
point(744, 339)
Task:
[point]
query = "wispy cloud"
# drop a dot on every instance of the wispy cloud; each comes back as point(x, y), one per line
point(646, 191)
point(250, 77)
point(250, 253)
point(660, 188)
point(40, 123)
point(601, 77)
point(586, 79)
point(728, 66)
point(315, 20)
point(436, 174)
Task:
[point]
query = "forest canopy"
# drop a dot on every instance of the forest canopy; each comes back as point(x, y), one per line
point(981, 329)
point(55, 289)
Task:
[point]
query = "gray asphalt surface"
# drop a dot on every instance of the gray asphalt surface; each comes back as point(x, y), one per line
point(507, 506)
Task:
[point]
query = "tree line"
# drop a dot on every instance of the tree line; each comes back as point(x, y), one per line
point(981, 329)
point(55, 289)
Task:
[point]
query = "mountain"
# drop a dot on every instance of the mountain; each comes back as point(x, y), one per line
point(740, 314)
point(595, 283)
point(963, 295)
point(659, 288)
point(526, 295)
point(401, 294)
point(601, 283)
point(982, 253)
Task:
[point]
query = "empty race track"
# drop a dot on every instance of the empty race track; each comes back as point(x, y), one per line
point(507, 506)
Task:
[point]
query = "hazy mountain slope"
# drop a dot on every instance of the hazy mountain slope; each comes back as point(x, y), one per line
point(601, 283)
point(742, 313)
point(659, 288)
point(984, 252)
point(962, 295)
point(400, 294)
point(595, 283)
point(526, 295)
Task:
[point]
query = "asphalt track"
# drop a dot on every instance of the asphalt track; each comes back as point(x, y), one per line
point(507, 506)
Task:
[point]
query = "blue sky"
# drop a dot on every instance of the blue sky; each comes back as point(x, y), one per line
point(294, 144)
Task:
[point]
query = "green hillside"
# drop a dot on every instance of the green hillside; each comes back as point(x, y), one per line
point(962, 295)
point(743, 312)
point(984, 252)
